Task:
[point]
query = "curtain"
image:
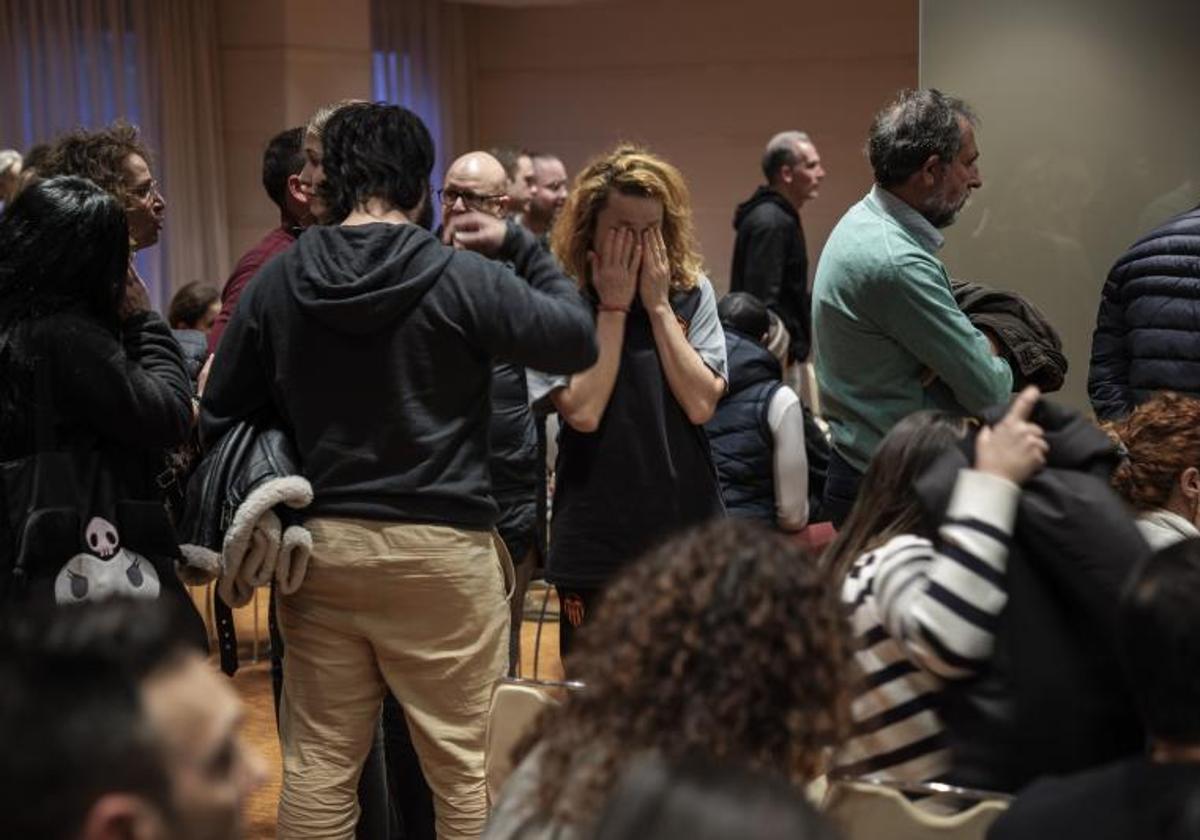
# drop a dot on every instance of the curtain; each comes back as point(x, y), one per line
point(420, 61)
point(66, 64)
point(193, 173)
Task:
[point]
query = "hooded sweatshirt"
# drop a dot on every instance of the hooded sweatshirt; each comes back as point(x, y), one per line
point(770, 261)
point(373, 345)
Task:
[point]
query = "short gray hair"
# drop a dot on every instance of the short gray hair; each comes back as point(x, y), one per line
point(918, 125)
point(781, 151)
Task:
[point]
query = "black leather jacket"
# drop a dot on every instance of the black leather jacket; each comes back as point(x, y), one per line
point(250, 454)
point(252, 457)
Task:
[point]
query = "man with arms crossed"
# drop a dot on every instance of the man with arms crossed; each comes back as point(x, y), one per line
point(888, 337)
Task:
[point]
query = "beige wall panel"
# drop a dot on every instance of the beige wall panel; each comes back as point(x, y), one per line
point(1088, 140)
point(704, 83)
point(280, 60)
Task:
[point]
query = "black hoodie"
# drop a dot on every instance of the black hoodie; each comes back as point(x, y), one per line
point(770, 261)
point(374, 345)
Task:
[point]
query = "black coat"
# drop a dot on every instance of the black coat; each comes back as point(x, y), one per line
point(1054, 699)
point(1122, 801)
point(1147, 334)
point(770, 261)
point(515, 459)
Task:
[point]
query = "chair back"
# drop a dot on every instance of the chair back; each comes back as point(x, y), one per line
point(516, 705)
point(868, 809)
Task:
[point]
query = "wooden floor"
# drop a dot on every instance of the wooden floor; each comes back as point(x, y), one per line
point(253, 683)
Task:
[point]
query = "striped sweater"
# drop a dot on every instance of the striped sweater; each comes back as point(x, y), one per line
point(924, 614)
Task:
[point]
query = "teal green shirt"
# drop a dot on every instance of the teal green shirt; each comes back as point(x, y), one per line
point(885, 321)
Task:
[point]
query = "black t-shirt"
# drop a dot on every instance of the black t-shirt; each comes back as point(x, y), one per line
point(645, 473)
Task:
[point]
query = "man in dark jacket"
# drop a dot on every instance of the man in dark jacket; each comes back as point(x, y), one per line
point(1146, 338)
point(769, 256)
point(374, 343)
point(478, 182)
point(1155, 796)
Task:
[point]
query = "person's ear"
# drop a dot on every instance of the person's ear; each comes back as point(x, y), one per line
point(502, 205)
point(930, 170)
point(1189, 484)
point(122, 816)
point(295, 190)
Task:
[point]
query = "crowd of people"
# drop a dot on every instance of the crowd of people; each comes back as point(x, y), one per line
point(358, 419)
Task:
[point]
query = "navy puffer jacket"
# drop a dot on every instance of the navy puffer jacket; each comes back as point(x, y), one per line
point(1147, 334)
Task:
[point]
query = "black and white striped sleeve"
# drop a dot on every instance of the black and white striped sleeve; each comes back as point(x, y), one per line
point(944, 610)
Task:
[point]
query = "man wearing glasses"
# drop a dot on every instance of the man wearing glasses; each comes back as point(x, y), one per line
point(477, 182)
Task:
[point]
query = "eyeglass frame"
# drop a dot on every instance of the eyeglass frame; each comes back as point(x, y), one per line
point(470, 200)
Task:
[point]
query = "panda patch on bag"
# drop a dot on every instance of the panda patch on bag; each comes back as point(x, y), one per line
point(106, 570)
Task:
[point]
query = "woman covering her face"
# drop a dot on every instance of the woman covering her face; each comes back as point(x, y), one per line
point(633, 461)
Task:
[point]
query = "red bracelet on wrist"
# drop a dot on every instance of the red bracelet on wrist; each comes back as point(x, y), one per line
point(612, 307)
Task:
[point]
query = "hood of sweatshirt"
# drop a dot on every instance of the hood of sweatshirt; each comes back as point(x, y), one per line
point(763, 195)
point(360, 279)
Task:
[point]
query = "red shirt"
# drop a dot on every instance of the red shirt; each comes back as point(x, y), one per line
point(274, 243)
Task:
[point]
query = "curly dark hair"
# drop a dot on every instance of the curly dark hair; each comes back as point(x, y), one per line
point(98, 156)
point(721, 643)
point(375, 150)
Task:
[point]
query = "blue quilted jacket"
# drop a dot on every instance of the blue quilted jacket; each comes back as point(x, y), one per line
point(1147, 334)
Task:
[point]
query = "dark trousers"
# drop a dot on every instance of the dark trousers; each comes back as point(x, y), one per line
point(575, 608)
point(841, 489)
point(523, 568)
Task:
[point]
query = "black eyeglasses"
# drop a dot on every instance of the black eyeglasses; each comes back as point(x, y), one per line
point(471, 200)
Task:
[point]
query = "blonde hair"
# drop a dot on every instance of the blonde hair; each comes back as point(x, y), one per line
point(634, 171)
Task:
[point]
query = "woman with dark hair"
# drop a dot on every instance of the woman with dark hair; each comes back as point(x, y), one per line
point(112, 374)
point(194, 307)
point(722, 644)
point(1159, 475)
point(923, 596)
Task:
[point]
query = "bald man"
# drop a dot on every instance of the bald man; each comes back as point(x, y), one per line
point(477, 181)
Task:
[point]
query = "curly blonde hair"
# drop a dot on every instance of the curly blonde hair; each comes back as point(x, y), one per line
point(1160, 439)
point(630, 170)
point(722, 643)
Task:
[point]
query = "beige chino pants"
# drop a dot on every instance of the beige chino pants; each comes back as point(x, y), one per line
point(418, 609)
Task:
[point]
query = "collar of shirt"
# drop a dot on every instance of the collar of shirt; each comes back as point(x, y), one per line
point(931, 238)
